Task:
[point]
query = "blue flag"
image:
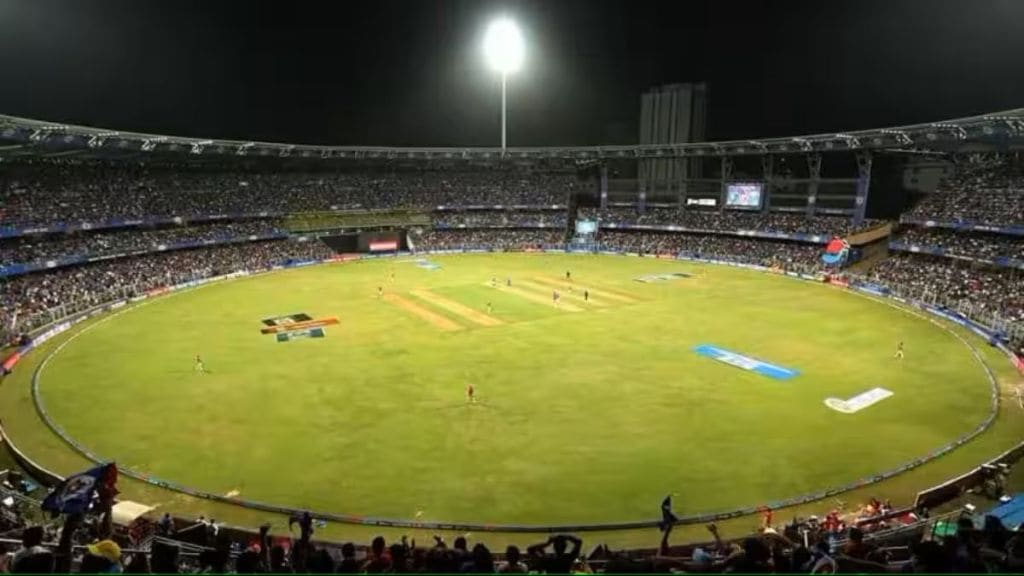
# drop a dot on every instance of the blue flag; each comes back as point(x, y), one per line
point(74, 494)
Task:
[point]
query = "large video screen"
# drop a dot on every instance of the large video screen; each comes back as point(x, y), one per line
point(586, 227)
point(743, 195)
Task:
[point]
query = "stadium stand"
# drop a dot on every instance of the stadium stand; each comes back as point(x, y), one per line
point(962, 246)
point(490, 239)
point(252, 204)
point(33, 300)
point(987, 189)
point(34, 249)
point(132, 208)
point(788, 255)
point(966, 244)
point(955, 284)
point(41, 193)
point(501, 219)
point(727, 221)
point(869, 538)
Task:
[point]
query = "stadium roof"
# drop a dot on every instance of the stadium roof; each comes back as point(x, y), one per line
point(20, 137)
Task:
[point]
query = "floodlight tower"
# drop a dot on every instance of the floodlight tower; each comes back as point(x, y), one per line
point(503, 47)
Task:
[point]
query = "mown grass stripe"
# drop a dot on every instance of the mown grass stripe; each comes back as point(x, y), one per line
point(430, 316)
point(457, 308)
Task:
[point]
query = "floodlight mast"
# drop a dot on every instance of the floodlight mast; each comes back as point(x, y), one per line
point(503, 47)
point(504, 107)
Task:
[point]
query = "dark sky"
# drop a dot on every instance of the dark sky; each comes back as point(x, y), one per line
point(404, 72)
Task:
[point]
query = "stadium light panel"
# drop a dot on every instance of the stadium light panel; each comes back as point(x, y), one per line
point(503, 46)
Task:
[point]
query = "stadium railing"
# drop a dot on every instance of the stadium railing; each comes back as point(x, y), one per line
point(1000, 261)
point(950, 489)
point(1017, 230)
point(991, 325)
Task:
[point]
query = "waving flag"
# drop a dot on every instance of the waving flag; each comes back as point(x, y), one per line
point(74, 494)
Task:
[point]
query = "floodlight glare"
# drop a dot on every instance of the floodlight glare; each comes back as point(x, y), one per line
point(503, 46)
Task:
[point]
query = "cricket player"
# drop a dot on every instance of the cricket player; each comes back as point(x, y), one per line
point(489, 309)
point(470, 394)
point(899, 351)
point(200, 367)
point(380, 292)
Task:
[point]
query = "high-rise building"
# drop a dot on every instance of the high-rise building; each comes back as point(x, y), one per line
point(672, 114)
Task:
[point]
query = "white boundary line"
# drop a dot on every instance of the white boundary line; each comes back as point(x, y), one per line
point(909, 466)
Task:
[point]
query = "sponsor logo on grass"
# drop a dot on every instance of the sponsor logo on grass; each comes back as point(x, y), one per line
point(287, 319)
point(319, 322)
point(299, 334)
point(427, 264)
point(746, 362)
point(858, 402)
point(667, 277)
point(294, 323)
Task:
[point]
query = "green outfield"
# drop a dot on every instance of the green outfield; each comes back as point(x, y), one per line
point(586, 411)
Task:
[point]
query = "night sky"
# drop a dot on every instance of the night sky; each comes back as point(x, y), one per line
point(404, 72)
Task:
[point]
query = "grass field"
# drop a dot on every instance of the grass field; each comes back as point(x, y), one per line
point(587, 412)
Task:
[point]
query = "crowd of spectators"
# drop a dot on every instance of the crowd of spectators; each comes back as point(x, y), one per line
point(971, 288)
point(729, 248)
point(500, 219)
point(49, 192)
point(509, 239)
point(784, 254)
point(900, 542)
point(29, 249)
point(977, 245)
point(783, 222)
point(872, 537)
point(34, 299)
point(984, 189)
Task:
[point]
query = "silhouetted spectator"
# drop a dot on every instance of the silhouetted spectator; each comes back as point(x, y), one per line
point(559, 561)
